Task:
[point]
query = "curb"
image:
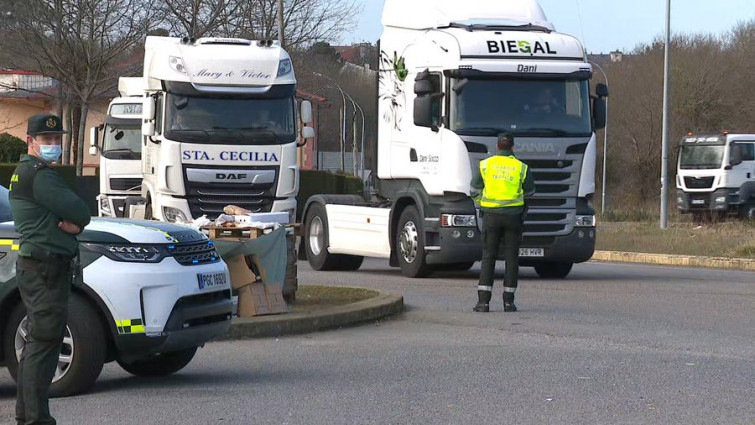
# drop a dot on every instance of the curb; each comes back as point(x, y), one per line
point(675, 260)
point(381, 306)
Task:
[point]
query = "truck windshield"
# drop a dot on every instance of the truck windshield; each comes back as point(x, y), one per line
point(122, 142)
point(701, 157)
point(247, 121)
point(523, 107)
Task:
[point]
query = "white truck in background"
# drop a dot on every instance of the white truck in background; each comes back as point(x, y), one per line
point(716, 175)
point(220, 126)
point(119, 142)
point(453, 76)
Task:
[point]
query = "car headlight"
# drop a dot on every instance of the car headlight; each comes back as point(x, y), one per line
point(284, 67)
point(129, 253)
point(177, 64)
point(454, 220)
point(174, 215)
point(585, 221)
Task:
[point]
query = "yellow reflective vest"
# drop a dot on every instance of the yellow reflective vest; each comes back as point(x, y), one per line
point(503, 177)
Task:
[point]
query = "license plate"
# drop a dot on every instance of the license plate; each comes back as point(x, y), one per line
point(698, 201)
point(211, 280)
point(531, 252)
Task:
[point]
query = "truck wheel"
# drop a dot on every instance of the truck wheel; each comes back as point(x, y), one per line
point(349, 262)
point(410, 244)
point(160, 364)
point(81, 356)
point(748, 211)
point(316, 239)
point(553, 270)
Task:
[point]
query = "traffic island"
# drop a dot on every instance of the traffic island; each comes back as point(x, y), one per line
point(319, 308)
point(675, 260)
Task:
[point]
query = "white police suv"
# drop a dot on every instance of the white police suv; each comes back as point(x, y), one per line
point(151, 294)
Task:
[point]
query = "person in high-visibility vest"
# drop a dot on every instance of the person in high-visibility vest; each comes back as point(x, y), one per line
point(504, 181)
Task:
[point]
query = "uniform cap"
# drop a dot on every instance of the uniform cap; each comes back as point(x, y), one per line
point(44, 123)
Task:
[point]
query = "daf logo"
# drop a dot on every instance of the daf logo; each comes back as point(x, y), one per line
point(230, 176)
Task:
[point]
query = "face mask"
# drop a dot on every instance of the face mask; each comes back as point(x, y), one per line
point(49, 153)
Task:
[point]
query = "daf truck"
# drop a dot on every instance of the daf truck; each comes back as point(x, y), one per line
point(119, 143)
point(452, 77)
point(716, 175)
point(220, 126)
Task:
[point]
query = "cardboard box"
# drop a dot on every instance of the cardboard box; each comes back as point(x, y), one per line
point(258, 299)
point(271, 217)
point(241, 274)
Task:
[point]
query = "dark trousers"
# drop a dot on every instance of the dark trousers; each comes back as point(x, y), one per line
point(497, 229)
point(45, 287)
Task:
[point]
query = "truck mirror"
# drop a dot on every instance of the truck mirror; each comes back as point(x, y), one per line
point(306, 134)
point(459, 85)
point(306, 112)
point(423, 87)
point(148, 129)
point(599, 113)
point(148, 111)
point(601, 90)
point(93, 138)
point(423, 111)
point(735, 154)
point(93, 150)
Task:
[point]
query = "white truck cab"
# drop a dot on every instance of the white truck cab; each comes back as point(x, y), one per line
point(221, 126)
point(453, 76)
point(716, 174)
point(119, 143)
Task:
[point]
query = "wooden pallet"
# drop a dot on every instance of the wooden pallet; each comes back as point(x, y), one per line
point(233, 232)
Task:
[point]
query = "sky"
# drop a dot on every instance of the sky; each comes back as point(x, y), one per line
point(607, 25)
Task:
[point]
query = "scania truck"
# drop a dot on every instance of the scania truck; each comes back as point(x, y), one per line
point(716, 175)
point(119, 142)
point(220, 126)
point(453, 76)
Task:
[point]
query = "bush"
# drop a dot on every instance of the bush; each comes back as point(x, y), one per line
point(11, 148)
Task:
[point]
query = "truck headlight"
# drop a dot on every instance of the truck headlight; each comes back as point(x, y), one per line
point(720, 200)
point(105, 205)
point(454, 220)
point(284, 67)
point(585, 221)
point(129, 253)
point(174, 215)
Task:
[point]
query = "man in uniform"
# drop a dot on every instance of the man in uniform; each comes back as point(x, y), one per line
point(504, 181)
point(47, 215)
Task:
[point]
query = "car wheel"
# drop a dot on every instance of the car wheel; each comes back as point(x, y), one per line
point(553, 270)
point(82, 354)
point(410, 244)
point(160, 364)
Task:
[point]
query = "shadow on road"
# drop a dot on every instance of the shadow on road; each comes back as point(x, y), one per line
point(7, 392)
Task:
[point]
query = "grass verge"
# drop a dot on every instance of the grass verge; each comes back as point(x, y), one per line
point(312, 298)
point(722, 239)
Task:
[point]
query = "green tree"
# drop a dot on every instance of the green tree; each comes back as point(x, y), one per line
point(11, 148)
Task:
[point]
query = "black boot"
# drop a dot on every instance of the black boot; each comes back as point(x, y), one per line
point(483, 302)
point(508, 302)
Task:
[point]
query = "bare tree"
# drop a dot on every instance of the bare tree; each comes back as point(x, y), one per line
point(80, 43)
point(199, 18)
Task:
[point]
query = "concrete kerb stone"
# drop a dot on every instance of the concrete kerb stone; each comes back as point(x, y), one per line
point(675, 260)
point(381, 306)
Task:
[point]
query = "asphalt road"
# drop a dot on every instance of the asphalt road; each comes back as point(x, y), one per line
point(611, 344)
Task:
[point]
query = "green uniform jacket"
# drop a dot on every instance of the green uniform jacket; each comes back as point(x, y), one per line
point(39, 200)
point(528, 187)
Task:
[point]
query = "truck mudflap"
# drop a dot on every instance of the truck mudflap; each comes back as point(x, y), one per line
point(466, 246)
point(191, 324)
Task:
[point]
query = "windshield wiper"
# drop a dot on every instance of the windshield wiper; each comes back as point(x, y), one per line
point(482, 131)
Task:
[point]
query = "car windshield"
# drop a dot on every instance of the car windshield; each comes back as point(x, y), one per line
point(122, 142)
point(230, 120)
point(701, 156)
point(5, 212)
point(523, 107)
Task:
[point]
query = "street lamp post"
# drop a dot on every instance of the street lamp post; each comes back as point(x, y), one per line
point(361, 112)
point(343, 118)
point(605, 148)
point(664, 148)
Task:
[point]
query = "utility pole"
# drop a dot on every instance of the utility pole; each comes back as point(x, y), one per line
point(664, 152)
point(280, 23)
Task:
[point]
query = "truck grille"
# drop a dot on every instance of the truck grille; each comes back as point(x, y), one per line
point(134, 184)
point(698, 182)
point(551, 210)
point(196, 253)
point(210, 198)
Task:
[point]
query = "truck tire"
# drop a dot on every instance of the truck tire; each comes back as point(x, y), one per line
point(748, 211)
point(160, 364)
point(410, 244)
point(553, 270)
point(316, 239)
point(349, 262)
point(83, 352)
